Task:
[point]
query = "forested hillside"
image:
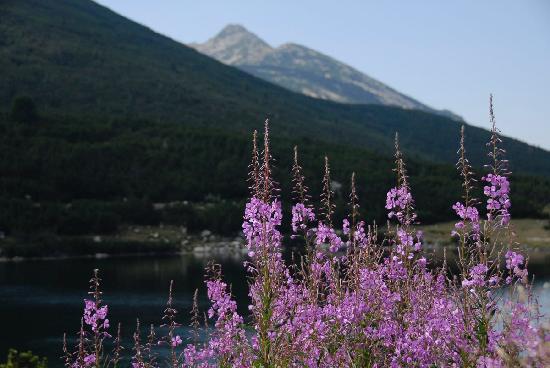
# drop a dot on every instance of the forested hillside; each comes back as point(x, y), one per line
point(76, 57)
point(71, 176)
point(102, 118)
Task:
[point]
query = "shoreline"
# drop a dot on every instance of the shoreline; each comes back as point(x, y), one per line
point(533, 236)
point(61, 257)
point(227, 248)
point(140, 241)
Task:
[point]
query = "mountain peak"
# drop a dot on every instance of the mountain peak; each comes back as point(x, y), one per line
point(234, 44)
point(232, 29)
point(304, 70)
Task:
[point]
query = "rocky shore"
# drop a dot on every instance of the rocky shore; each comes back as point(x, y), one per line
point(130, 241)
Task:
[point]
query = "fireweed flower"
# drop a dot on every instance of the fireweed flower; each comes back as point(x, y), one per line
point(407, 241)
point(497, 192)
point(357, 310)
point(95, 317)
point(397, 201)
point(228, 342)
point(467, 214)
point(360, 235)
point(513, 262)
point(345, 227)
point(259, 227)
point(89, 360)
point(93, 330)
point(477, 276)
point(176, 341)
point(301, 217)
point(326, 234)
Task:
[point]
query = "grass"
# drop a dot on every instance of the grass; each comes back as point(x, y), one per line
point(529, 232)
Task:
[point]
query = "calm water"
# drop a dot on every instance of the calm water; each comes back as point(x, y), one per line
point(40, 300)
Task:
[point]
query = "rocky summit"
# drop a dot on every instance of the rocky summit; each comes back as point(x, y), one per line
point(304, 70)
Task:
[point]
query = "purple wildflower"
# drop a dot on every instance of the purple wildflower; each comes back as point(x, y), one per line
point(467, 214)
point(513, 262)
point(176, 341)
point(89, 360)
point(345, 227)
point(398, 201)
point(497, 193)
point(365, 308)
point(477, 276)
point(301, 216)
point(327, 234)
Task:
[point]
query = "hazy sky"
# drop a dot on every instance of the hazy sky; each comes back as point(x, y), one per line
point(447, 54)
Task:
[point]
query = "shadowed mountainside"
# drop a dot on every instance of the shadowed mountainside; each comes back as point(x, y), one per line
point(76, 57)
point(123, 127)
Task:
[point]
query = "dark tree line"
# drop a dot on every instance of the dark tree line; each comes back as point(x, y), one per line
point(80, 176)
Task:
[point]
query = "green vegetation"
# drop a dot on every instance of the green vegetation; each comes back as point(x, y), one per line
point(105, 124)
point(64, 177)
point(76, 57)
point(24, 359)
point(531, 232)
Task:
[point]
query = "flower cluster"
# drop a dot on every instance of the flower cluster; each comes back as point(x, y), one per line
point(93, 330)
point(513, 262)
point(301, 217)
point(326, 234)
point(89, 360)
point(227, 344)
point(176, 341)
point(95, 317)
point(346, 227)
point(408, 242)
point(359, 303)
point(467, 214)
point(498, 192)
point(259, 227)
point(478, 274)
point(398, 201)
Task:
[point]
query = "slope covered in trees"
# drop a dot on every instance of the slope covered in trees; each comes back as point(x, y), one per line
point(77, 57)
point(71, 177)
point(117, 118)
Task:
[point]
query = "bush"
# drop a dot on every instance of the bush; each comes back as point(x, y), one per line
point(88, 217)
point(137, 211)
point(221, 217)
point(25, 359)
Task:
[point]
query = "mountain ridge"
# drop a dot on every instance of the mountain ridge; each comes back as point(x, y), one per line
point(77, 58)
point(304, 70)
point(127, 118)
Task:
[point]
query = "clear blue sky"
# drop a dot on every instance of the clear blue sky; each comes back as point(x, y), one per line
point(447, 54)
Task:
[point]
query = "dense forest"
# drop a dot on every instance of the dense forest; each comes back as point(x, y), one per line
point(77, 58)
point(104, 122)
point(71, 177)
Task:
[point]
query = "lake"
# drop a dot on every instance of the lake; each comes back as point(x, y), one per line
point(40, 300)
